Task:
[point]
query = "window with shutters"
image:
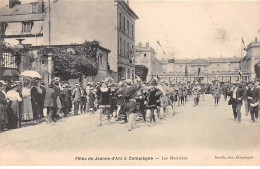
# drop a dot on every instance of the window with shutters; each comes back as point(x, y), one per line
point(124, 49)
point(34, 8)
point(120, 47)
point(132, 31)
point(127, 50)
point(27, 27)
point(124, 25)
point(120, 21)
point(127, 29)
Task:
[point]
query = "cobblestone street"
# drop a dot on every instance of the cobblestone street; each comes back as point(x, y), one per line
point(204, 129)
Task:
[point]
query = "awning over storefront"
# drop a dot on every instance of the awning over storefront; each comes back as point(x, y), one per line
point(14, 28)
point(37, 27)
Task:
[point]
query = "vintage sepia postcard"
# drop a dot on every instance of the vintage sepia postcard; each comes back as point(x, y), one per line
point(129, 83)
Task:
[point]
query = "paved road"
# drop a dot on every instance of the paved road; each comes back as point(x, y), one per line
point(199, 133)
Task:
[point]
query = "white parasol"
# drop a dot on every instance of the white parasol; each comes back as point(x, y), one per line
point(31, 73)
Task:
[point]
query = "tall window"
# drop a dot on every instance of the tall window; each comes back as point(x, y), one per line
point(120, 21)
point(27, 27)
point(34, 8)
point(133, 31)
point(127, 50)
point(124, 49)
point(124, 24)
point(120, 46)
point(127, 29)
point(100, 59)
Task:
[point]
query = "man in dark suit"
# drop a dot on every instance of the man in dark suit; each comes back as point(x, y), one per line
point(254, 96)
point(67, 100)
point(50, 103)
point(76, 94)
point(237, 95)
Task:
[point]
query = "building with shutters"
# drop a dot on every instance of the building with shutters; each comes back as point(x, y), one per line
point(23, 21)
point(111, 22)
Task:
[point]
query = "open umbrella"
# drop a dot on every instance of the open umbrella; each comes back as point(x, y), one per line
point(10, 72)
point(31, 73)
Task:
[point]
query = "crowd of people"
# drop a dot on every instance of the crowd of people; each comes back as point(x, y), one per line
point(32, 100)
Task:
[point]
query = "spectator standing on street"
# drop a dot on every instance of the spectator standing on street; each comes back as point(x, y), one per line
point(216, 92)
point(14, 120)
point(254, 96)
point(76, 94)
point(50, 103)
point(91, 100)
point(83, 103)
point(27, 112)
point(3, 106)
point(67, 100)
point(41, 99)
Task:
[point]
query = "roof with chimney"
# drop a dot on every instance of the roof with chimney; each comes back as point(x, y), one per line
point(20, 12)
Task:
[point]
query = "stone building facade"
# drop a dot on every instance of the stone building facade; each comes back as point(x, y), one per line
point(145, 55)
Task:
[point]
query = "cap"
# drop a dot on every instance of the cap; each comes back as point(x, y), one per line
point(153, 82)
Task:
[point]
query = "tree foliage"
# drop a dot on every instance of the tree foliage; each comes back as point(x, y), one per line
point(257, 70)
point(141, 71)
point(73, 61)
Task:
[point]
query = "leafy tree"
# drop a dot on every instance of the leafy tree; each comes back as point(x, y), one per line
point(141, 71)
point(72, 64)
point(257, 70)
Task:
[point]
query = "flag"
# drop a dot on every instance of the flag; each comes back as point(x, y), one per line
point(161, 47)
point(186, 71)
point(243, 41)
point(244, 44)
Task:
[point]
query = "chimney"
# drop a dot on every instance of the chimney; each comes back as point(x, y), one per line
point(40, 6)
point(139, 45)
point(147, 44)
point(256, 40)
point(12, 3)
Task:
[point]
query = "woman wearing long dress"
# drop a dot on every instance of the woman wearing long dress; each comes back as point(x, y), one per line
point(27, 112)
point(14, 120)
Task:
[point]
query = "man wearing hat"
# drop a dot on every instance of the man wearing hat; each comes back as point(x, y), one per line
point(153, 100)
point(50, 103)
point(247, 90)
point(3, 105)
point(67, 99)
point(35, 99)
point(128, 93)
point(237, 94)
point(88, 86)
point(253, 97)
point(76, 94)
